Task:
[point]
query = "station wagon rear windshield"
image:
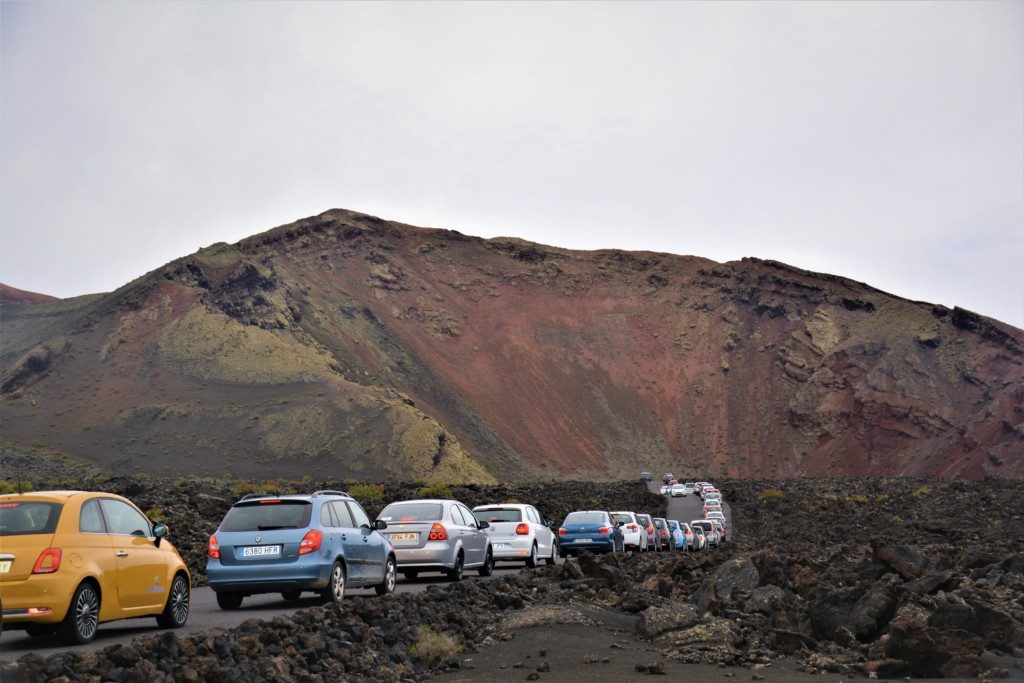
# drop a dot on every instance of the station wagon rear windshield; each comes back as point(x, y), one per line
point(622, 519)
point(412, 512)
point(18, 518)
point(585, 518)
point(498, 515)
point(268, 514)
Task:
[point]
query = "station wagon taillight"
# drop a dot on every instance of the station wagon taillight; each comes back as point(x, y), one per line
point(213, 548)
point(48, 561)
point(604, 530)
point(522, 529)
point(437, 532)
point(562, 531)
point(633, 527)
point(311, 542)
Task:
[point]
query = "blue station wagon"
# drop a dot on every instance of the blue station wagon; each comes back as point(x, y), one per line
point(585, 530)
point(291, 544)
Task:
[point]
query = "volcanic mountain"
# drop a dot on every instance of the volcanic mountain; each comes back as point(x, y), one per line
point(346, 346)
point(13, 295)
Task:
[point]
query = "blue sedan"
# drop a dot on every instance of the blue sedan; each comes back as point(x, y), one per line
point(585, 530)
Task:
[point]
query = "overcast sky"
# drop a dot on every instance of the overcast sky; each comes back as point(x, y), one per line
point(884, 142)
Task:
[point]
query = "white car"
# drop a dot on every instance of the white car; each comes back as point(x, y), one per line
point(666, 490)
point(518, 532)
point(720, 516)
point(690, 487)
point(634, 535)
point(678, 490)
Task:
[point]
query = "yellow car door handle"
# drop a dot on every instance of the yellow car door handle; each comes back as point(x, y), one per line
point(122, 553)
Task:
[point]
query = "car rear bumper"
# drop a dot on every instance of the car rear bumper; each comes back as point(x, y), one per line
point(39, 599)
point(426, 558)
point(512, 548)
point(269, 578)
point(576, 545)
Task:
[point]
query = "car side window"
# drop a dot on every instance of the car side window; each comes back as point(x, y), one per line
point(457, 517)
point(531, 515)
point(326, 518)
point(91, 519)
point(358, 515)
point(342, 514)
point(123, 518)
point(469, 517)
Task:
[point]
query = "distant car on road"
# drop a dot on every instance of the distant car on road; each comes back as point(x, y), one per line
point(711, 507)
point(680, 541)
point(666, 490)
point(667, 477)
point(634, 534)
point(700, 541)
point(712, 532)
point(585, 530)
point(648, 525)
point(677, 491)
point(662, 533)
point(438, 535)
point(720, 518)
point(646, 477)
point(321, 542)
point(690, 487)
point(70, 560)
point(518, 532)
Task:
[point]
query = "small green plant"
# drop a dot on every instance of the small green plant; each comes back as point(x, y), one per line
point(12, 487)
point(435, 491)
point(858, 498)
point(367, 493)
point(921, 491)
point(156, 515)
point(433, 647)
point(771, 494)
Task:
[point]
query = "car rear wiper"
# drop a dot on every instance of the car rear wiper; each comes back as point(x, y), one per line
point(271, 527)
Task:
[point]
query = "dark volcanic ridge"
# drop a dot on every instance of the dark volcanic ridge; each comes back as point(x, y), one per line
point(347, 346)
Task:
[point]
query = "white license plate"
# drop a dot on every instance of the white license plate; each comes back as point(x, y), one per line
point(403, 537)
point(5, 567)
point(584, 540)
point(261, 551)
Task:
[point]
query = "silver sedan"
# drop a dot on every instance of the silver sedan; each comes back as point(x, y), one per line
point(437, 536)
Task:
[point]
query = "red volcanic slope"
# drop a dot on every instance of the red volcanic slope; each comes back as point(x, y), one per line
point(13, 295)
point(536, 361)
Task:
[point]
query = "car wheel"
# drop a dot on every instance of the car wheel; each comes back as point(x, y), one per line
point(551, 559)
point(455, 573)
point(531, 562)
point(335, 591)
point(40, 630)
point(488, 567)
point(83, 617)
point(390, 578)
point(291, 595)
point(410, 575)
point(175, 613)
point(229, 600)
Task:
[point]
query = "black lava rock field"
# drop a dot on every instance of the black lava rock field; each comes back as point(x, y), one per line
point(870, 578)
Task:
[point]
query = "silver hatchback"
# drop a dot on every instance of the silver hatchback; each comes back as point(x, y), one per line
point(437, 536)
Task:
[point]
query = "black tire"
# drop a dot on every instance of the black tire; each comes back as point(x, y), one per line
point(179, 600)
point(551, 559)
point(390, 578)
point(410, 575)
point(336, 584)
point(455, 573)
point(40, 630)
point(229, 600)
point(532, 561)
point(562, 554)
point(488, 568)
point(291, 595)
point(83, 617)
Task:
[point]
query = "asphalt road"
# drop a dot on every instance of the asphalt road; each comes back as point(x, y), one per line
point(205, 614)
point(689, 508)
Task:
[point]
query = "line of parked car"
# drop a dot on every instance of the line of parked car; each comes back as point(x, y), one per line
point(72, 560)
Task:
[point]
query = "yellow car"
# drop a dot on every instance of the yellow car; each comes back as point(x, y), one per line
point(70, 560)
